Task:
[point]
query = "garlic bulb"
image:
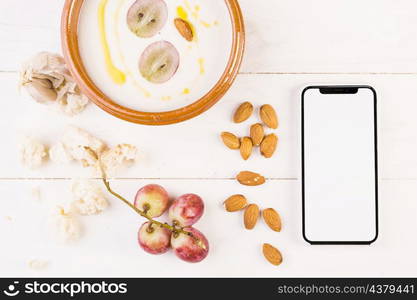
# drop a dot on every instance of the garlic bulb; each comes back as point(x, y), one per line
point(39, 90)
point(47, 80)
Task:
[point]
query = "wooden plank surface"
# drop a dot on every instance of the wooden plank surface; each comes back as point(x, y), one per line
point(290, 44)
point(286, 36)
point(194, 149)
point(109, 247)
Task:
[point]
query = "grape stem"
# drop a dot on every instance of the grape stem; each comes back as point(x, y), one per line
point(142, 213)
point(175, 229)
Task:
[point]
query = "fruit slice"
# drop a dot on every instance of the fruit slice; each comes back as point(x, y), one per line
point(146, 17)
point(154, 239)
point(159, 62)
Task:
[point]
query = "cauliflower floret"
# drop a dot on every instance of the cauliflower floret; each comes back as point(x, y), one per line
point(88, 198)
point(113, 159)
point(75, 137)
point(58, 153)
point(86, 156)
point(77, 144)
point(32, 153)
point(66, 225)
point(73, 104)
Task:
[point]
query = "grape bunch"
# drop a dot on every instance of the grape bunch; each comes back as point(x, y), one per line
point(188, 243)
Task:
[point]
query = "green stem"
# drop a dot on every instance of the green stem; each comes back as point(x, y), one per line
point(142, 213)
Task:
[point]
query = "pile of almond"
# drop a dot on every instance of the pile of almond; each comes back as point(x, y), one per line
point(268, 145)
point(251, 216)
point(257, 138)
point(239, 202)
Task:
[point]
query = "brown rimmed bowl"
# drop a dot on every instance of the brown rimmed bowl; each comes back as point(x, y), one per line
point(69, 36)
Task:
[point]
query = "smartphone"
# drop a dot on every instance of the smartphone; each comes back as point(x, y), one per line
point(339, 164)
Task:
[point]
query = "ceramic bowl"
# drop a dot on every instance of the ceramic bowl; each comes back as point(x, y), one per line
point(69, 30)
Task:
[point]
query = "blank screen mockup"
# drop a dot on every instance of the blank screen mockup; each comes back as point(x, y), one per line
point(339, 166)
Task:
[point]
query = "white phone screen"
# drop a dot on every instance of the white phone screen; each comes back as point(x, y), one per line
point(339, 165)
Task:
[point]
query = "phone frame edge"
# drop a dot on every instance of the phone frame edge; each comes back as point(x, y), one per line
point(376, 166)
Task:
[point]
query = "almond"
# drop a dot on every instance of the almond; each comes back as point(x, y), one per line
point(272, 254)
point(230, 140)
point(251, 216)
point(243, 112)
point(257, 134)
point(269, 145)
point(246, 147)
point(269, 116)
point(184, 28)
point(272, 219)
point(250, 178)
point(235, 203)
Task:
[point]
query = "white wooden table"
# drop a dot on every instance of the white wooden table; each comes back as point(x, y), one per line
point(290, 44)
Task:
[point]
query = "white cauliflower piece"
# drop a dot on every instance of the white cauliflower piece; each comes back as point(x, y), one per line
point(73, 104)
point(85, 155)
point(58, 153)
point(114, 159)
point(47, 80)
point(66, 226)
point(32, 152)
point(88, 198)
point(77, 144)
